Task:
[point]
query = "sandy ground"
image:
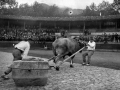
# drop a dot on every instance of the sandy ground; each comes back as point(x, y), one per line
point(100, 58)
point(103, 74)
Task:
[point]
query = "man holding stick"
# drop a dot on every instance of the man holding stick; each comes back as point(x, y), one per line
point(89, 52)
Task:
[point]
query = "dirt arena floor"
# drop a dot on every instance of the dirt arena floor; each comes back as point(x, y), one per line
point(103, 74)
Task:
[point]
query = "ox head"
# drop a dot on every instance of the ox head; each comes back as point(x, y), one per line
point(80, 42)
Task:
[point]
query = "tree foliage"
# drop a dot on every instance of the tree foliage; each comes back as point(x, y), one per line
point(8, 4)
point(116, 5)
point(104, 9)
point(10, 7)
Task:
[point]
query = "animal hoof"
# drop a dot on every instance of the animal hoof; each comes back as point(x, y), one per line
point(83, 64)
point(80, 51)
point(57, 68)
point(4, 77)
point(71, 66)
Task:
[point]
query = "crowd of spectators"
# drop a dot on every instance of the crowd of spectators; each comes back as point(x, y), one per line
point(103, 37)
point(48, 35)
point(17, 34)
point(114, 37)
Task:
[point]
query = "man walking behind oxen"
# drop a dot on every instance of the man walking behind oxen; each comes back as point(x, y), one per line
point(89, 51)
point(20, 52)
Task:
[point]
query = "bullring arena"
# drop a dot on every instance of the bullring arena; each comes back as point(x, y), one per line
point(103, 74)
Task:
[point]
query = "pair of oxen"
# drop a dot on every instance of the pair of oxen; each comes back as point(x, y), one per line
point(65, 47)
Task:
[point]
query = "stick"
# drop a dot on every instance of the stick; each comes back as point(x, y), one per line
point(73, 55)
point(56, 57)
point(51, 58)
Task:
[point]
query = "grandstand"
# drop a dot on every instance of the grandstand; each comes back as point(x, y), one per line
point(19, 26)
point(95, 24)
point(13, 28)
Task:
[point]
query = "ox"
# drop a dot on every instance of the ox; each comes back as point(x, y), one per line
point(65, 47)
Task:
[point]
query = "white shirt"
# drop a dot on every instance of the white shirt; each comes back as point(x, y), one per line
point(91, 45)
point(24, 46)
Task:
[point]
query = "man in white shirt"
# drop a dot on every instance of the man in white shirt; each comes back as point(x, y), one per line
point(20, 52)
point(89, 52)
point(23, 47)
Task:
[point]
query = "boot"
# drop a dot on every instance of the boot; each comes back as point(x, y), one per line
point(57, 68)
point(4, 77)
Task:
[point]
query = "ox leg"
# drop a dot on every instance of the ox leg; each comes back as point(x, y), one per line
point(58, 62)
point(71, 62)
point(54, 52)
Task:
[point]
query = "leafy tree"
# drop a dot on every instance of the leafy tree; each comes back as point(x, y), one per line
point(116, 5)
point(87, 11)
point(102, 7)
point(25, 10)
point(94, 9)
point(37, 9)
point(8, 7)
point(8, 4)
point(53, 10)
point(117, 1)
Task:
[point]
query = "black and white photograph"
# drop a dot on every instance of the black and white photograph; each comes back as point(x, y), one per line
point(59, 45)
